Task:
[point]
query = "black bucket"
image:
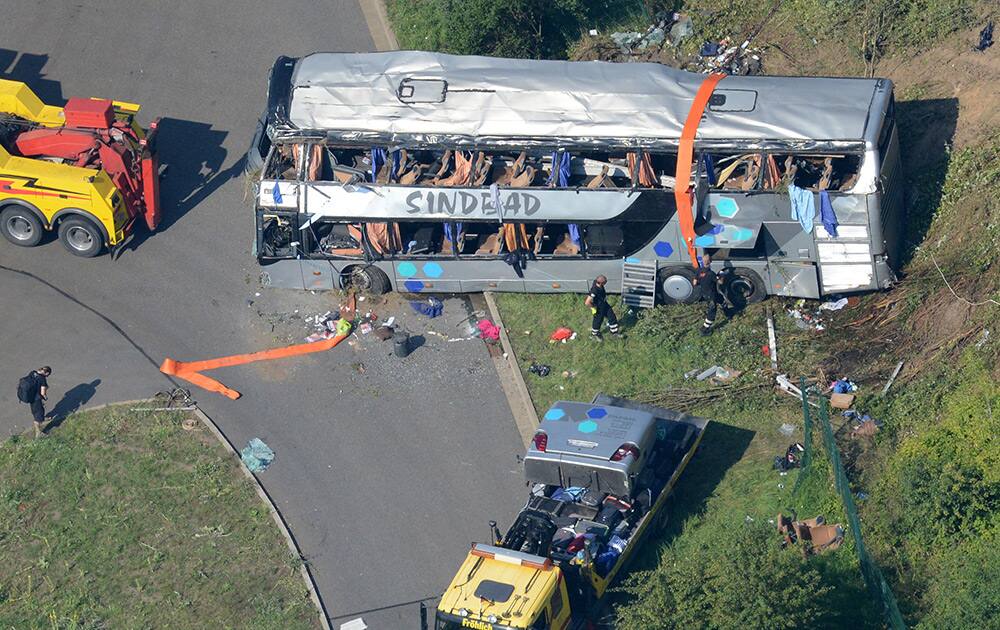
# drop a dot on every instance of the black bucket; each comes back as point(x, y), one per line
point(401, 343)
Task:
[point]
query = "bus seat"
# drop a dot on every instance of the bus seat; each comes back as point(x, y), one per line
point(566, 247)
point(600, 181)
point(512, 170)
point(462, 173)
point(489, 244)
point(525, 178)
point(412, 175)
point(849, 182)
point(484, 167)
point(827, 175)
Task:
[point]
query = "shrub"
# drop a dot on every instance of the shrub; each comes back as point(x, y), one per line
point(734, 578)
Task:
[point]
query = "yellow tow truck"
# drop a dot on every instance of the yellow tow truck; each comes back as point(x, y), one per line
point(601, 476)
point(86, 170)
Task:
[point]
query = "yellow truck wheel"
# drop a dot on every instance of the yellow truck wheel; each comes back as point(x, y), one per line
point(81, 237)
point(20, 226)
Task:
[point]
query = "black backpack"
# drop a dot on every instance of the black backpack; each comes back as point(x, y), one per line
point(25, 388)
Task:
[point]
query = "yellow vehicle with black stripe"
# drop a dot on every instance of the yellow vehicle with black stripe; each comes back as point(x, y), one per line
point(601, 475)
point(86, 170)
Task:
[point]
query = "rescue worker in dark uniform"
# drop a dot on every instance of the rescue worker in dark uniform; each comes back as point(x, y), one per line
point(597, 300)
point(713, 289)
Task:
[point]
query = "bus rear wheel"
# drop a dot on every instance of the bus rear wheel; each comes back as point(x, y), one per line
point(677, 286)
point(365, 279)
point(747, 285)
point(20, 226)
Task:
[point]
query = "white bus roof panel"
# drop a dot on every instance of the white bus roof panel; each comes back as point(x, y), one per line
point(438, 98)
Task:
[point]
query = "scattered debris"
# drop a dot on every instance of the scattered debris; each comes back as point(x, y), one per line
point(841, 401)
point(710, 372)
point(985, 38)
point(791, 458)
point(843, 385)
point(569, 373)
point(431, 307)
point(804, 319)
point(833, 306)
point(787, 429)
point(489, 331)
point(561, 334)
point(772, 342)
point(892, 379)
point(862, 424)
point(257, 456)
point(540, 370)
point(718, 374)
point(383, 333)
point(786, 386)
point(814, 535)
point(984, 336)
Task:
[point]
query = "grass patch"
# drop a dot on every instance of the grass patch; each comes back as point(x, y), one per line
point(120, 520)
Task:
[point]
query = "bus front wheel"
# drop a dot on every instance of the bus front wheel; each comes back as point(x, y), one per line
point(677, 286)
point(365, 279)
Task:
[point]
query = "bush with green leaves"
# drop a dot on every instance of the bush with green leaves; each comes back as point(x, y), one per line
point(539, 29)
point(736, 578)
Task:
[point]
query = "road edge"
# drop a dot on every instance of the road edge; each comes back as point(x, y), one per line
point(324, 616)
point(378, 25)
point(511, 379)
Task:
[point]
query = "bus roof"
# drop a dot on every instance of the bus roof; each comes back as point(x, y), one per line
point(511, 585)
point(433, 98)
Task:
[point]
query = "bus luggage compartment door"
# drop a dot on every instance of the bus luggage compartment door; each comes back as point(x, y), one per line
point(793, 279)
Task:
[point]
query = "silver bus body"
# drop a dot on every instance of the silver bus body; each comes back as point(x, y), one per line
point(328, 102)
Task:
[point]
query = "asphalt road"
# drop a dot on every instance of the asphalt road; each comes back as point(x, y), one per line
point(384, 472)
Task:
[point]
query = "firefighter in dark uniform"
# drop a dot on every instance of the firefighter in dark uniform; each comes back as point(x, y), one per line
point(713, 289)
point(597, 300)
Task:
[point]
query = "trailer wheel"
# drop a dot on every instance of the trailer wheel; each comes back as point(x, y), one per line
point(81, 237)
point(365, 279)
point(746, 284)
point(20, 226)
point(677, 286)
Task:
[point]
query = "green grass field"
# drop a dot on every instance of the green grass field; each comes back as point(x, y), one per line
point(122, 520)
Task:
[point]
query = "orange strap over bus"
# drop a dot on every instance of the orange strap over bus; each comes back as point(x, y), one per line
point(191, 371)
point(685, 154)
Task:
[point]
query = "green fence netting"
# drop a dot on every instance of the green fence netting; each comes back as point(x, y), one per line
point(873, 577)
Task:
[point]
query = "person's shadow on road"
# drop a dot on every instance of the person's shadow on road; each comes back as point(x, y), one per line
point(74, 398)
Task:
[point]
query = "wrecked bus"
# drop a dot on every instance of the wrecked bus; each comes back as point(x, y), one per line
point(601, 475)
point(420, 171)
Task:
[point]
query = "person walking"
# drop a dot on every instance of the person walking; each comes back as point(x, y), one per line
point(33, 389)
point(712, 290)
point(597, 300)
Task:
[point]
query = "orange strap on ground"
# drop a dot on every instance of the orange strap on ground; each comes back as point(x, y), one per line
point(191, 371)
point(685, 154)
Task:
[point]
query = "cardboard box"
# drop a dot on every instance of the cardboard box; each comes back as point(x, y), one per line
point(841, 401)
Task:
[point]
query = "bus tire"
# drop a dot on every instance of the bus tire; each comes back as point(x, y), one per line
point(20, 226)
point(749, 284)
point(365, 279)
point(677, 286)
point(81, 237)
